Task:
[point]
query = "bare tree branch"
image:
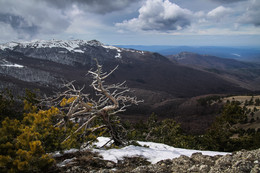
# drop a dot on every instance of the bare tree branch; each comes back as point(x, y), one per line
point(109, 100)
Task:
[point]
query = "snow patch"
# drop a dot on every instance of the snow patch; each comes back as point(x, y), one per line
point(154, 152)
point(78, 50)
point(236, 54)
point(62, 164)
point(9, 64)
point(118, 55)
point(12, 65)
point(112, 47)
point(135, 51)
point(142, 52)
point(58, 153)
point(63, 52)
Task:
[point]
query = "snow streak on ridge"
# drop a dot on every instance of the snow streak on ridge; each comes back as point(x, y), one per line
point(69, 45)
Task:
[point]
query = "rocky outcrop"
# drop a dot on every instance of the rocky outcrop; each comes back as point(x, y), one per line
point(237, 162)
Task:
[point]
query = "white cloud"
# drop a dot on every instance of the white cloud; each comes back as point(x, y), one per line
point(163, 16)
point(219, 12)
point(159, 15)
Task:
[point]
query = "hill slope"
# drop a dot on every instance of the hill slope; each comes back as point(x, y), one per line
point(245, 74)
point(156, 79)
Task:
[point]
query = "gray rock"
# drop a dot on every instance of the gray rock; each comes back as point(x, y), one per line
point(238, 162)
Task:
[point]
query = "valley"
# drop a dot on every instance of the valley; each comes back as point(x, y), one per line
point(170, 86)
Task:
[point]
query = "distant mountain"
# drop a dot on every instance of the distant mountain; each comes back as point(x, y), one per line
point(160, 82)
point(244, 74)
point(250, 54)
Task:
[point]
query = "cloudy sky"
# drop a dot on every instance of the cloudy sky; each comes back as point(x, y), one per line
point(133, 22)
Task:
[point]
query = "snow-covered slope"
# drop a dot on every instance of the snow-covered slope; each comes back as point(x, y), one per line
point(60, 50)
point(70, 45)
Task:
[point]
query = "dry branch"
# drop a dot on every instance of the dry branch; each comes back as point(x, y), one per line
point(109, 100)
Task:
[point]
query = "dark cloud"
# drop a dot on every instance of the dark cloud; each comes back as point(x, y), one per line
point(167, 25)
point(19, 24)
point(95, 6)
point(28, 19)
point(252, 14)
point(32, 19)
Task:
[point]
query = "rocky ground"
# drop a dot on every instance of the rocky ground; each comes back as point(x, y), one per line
point(237, 162)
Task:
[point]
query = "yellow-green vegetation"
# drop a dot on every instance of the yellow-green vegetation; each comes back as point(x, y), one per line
point(24, 143)
point(21, 146)
point(65, 101)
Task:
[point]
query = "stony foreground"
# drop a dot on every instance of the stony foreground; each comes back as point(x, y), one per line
point(242, 161)
point(237, 162)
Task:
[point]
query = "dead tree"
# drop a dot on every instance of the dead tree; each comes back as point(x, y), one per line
point(78, 107)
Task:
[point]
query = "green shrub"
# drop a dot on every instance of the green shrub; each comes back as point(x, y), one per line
point(24, 143)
